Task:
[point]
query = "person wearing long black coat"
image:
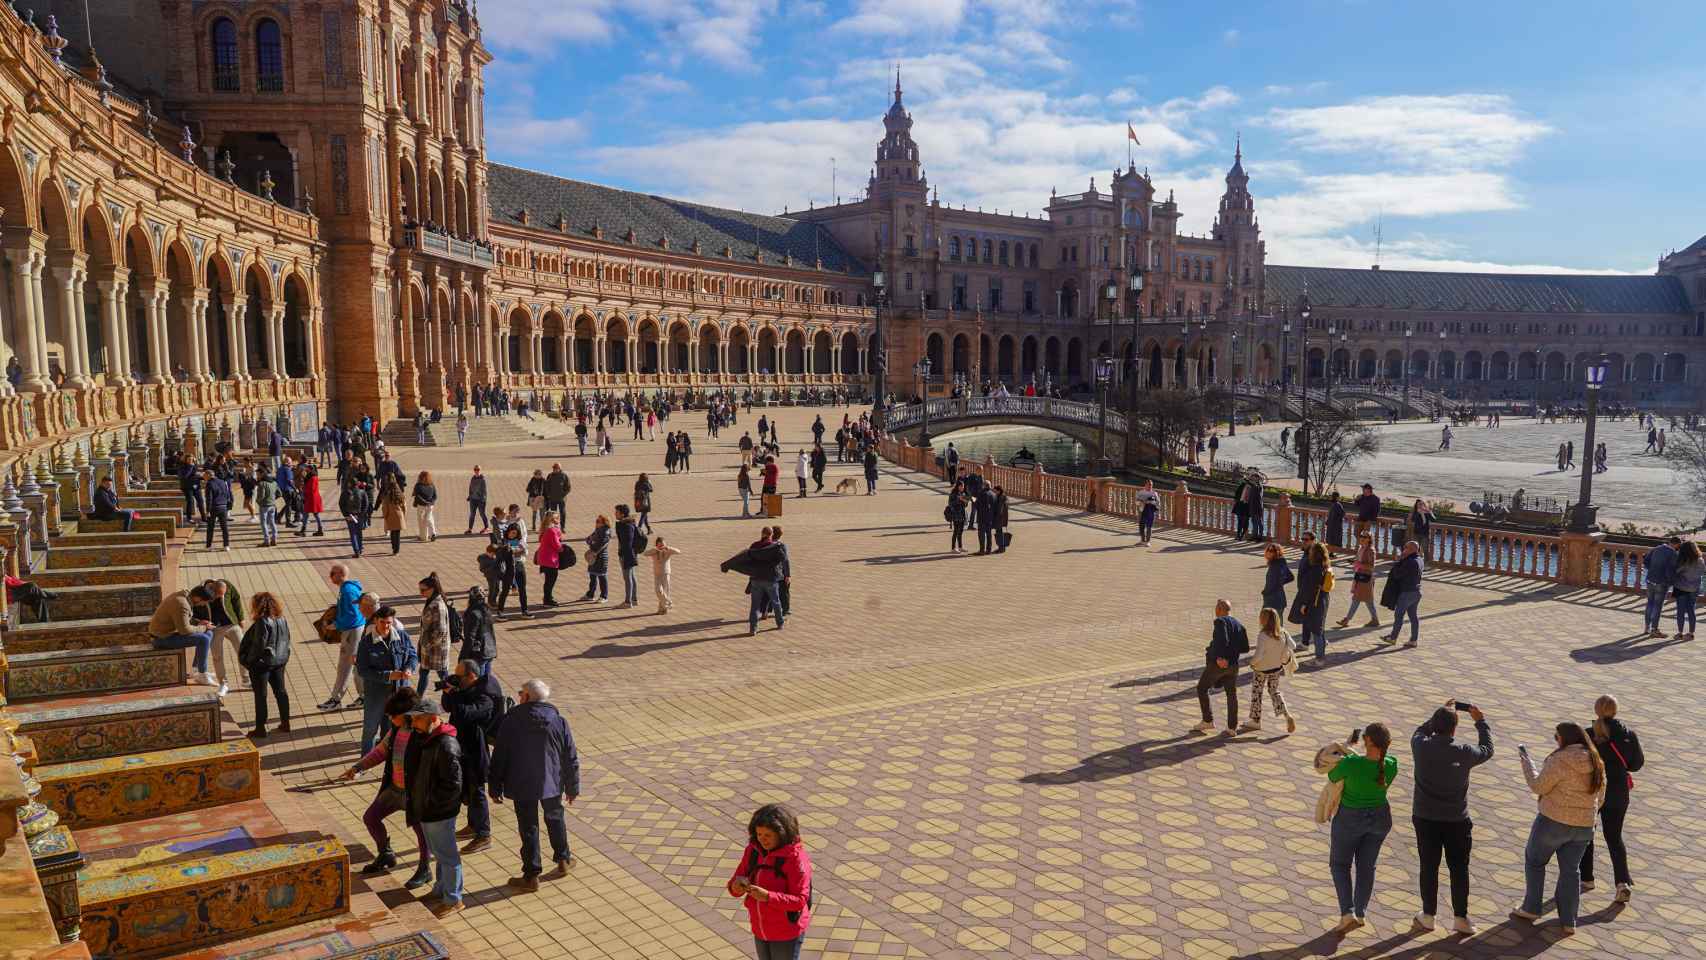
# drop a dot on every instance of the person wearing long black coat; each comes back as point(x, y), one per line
point(474, 702)
point(1335, 521)
point(1278, 575)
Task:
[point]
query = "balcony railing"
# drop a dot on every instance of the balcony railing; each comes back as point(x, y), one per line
point(443, 245)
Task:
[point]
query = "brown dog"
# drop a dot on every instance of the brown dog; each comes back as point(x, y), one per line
point(847, 485)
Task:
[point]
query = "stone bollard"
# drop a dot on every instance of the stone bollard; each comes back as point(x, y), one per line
point(49, 499)
point(65, 477)
point(1578, 558)
point(1282, 520)
point(246, 431)
point(137, 460)
point(263, 434)
point(1182, 505)
point(20, 514)
point(156, 453)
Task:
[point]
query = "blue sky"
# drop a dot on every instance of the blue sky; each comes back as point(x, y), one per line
point(1484, 136)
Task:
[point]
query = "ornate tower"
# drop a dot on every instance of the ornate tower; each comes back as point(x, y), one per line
point(1238, 230)
point(898, 196)
point(897, 153)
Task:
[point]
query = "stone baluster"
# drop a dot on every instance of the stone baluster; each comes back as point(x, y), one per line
point(85, 474)
point(20, 514)
point(50, 498)
point(138, 460)
point(29, 491)
point(65, 478)
point(156, 453)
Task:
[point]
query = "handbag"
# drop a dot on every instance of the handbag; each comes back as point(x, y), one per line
point(1629, 777)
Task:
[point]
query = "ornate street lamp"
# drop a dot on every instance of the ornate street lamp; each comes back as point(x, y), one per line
point(1134, 283)
point(922, 369)
point(1585, 513)
point(1407, 334)
point(1303, 428)
point(1232, 394)
point(1104, 375)
point(879, 358)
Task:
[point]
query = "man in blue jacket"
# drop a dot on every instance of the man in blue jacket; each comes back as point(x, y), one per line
point(218, 507)
point(1661, 576)
point(535, 764)
point(384, 660)
point(348, 620)
point(1220, 668)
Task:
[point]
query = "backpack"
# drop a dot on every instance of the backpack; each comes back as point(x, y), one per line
point(757, 863)
point(506, 703)
point(1327, 581)
point(641, 542)
point(456, 632)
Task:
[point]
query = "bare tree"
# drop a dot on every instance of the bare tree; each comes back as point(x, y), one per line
point(1171, 420)
point(1686, 451)
point(1334, 441)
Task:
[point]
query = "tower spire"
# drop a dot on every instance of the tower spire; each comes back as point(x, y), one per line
point(897, 83)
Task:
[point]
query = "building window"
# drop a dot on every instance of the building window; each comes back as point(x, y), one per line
point(995, 295)
point(225, 55)
point(1004, 253)
point(1208, 270)
point(1030, 295)
point(908, 280)
point(959, 291)
point(988, 252)
point(269, 57)
point(953, 248)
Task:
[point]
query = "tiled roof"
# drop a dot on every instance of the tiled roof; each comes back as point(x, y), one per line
point(1698, 246)
point(582, 205)
point(1476, 292)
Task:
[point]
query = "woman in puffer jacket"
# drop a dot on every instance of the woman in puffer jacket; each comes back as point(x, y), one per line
point(775, 879)
point(1570, 785)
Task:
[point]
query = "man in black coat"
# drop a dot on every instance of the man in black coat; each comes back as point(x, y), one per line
point(1220, 667)
point(432, 787)
point(535, 764)
point(474, 702)
point(983, 511)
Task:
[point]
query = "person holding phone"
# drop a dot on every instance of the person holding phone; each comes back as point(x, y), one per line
point(1440, 807)
point(1361, 824)
point(1570, 785)
point(775, 879)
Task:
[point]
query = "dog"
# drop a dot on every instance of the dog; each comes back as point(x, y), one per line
point(847, 485)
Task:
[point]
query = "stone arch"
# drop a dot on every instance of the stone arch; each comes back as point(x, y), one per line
point(1392, 365)
point(796, 349)
point(553, 352)
point(1368, 364)
point(850, 354)
point(769, 351)
point(1028, 358)
point(616, 345)
point(823, 353)
point(1051, 357)
point(298, 338)
point(1474, 366)
point(740, 349)
point(1527, 365)
point(408, 188)
point(17, 203)
point(1419, 364)
point(221, 288)
point(1500, 366)
point(586, 340)
point(650, 353)
point(1341, 365)
point(1155, 364)
point(962, 355)
point(710, 348)
point(1645, 368)
point(1004, 356)
point(680, 348)
point(1447, 365)
point(934, 346)
point(184, 282)
point(1554, 369)
point(1074, 359)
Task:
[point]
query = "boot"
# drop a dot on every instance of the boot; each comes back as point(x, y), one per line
point(385, 861)
point(421, 877)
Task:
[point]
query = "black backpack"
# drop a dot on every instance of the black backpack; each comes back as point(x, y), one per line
point(506, 703)
point(757, 863)
point(456, 632)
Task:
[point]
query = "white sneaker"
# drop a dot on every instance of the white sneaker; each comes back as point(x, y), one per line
point(204, 680)
point(1207, 726)
point(1250, 726)
point(1625, 892)
point(329, 705)
point(223, 690)
point(1463, 926)
point(1424, 921)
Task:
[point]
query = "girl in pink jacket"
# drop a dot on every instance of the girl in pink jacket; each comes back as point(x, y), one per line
point(775, 878)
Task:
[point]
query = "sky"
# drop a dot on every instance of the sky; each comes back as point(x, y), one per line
point(1564, 136)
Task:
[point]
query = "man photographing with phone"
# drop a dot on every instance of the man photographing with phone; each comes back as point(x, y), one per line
point(1440, 809)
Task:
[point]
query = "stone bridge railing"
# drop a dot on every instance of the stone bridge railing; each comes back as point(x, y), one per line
point(1004, 409)
point(1578, 560)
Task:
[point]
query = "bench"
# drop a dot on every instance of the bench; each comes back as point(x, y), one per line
point(75, 635)
point(110, 725)
point(92, 793)
point(105, 601)
point(73, 556)
point(92, 670)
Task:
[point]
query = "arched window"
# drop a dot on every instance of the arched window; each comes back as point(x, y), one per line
point(988, 252)
point(953, 248)
point(1003, 253)
point(269, 57)
point(225, 55)
point(1033, 254)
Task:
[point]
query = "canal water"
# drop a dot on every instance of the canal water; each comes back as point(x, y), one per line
point(1056, 452)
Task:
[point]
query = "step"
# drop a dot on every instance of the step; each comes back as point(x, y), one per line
point(92, 670)
point(135, 538)
point(73, 556)
point(93, 793)
point(145, 523)
point(172, 883)
point(59, 579)
point(368, 932)
point(104, 601)
point(114, 724)
point(75, 635)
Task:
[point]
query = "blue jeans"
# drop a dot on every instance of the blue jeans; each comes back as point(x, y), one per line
point(779, 949)
point(630, 586)
point(527, 824)
point(354, 535)
point(319, 527)
point(1547, 839)
point(745, 503)
point(764, 592)
point(1406, 604)
point(478, 506)
point(479, 809)
point(441, 840)
point(269, 524)
point(1684, 611)
point(373, 721)
point(1655, 604)
point(421, 681)
point(202, 642)
point(597, 583)
point(1357, 836)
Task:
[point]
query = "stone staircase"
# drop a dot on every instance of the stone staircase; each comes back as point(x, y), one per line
point(481, 430)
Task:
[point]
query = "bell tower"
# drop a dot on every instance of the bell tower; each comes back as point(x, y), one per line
point(897, 163)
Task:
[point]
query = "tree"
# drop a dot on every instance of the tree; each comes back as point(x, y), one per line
point(1686, 451)
point(1171, 420)
point(1334, 441)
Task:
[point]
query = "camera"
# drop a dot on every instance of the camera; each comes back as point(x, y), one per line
point(1464, 706)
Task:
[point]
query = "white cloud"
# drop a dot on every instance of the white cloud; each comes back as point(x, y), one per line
point(511, 132)
point(1230, 38)
point(536, 27)
point(1462, 130)
point(654, 84)
point(896, 17)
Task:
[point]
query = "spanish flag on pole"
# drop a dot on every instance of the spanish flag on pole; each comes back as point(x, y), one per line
point(1131, 134)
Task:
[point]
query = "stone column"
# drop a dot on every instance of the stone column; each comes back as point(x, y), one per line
point(275, 342)
point(26, 323)
point(191, 306)
point(112, 320)
point(234, 310)
point(71, 322)
point(154, 307)
point(38, 270)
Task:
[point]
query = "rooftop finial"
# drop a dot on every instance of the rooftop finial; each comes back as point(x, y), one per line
point(1238, 150)
point(897, 82)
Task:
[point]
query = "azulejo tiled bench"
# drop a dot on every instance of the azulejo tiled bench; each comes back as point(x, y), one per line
point(92, 793)
point(75, 635)
point(73, 556)
point(92, 670)
point(111, 725)
point(105, 601)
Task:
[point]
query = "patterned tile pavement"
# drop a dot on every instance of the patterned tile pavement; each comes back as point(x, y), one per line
point(992, 756)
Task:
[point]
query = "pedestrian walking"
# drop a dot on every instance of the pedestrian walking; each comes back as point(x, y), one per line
point(1620, 753)
point(1148, 505)
point(1335, 520)
point(477, 502)
point(1440, 807)
point(263, 495)
point(774, 879)
point(661, 555)
point(425, 497)
point(870, 472)
point(534, 765)
point(1314, 596)
point(629, 544)
point(743, 486)
point(512, 568)
point(1403, 592)
point(549, 556)
point(557, 489)
point(1241, 508)
point(1000, 520)
point(802, 469)
point(392, 751)
point(434, 639)
point(461, 428)
point(312, 503)
point(955, 514)
point(1361, 823)
point(433, 777)
point(643, 504)
point(474, 704)
point(1229, 642)
point(218, 491)
point(536, 496)
point(1277, 574)
point(1660, 564)
point(355, 502)
point(598, 560)
point(385, 661)
point(1362, 581)
point(1685, 589)
point(1274, 659)
point(479, 631)
point(1571, 786)
point(263, 653)
point(348, 620)
point(391, 508)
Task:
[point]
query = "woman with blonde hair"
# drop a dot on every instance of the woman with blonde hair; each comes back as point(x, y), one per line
point(1570, 785)
point(1362, 582)
point(1273, 659)
point(1620, 751)
point(1314, 593)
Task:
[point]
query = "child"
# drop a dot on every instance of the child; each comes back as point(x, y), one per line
point(491, 569)
point(246, 477)
point(775, 880)
point(661, 554)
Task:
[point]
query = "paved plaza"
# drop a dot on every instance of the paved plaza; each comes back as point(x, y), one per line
point(992, 756)
point(1638, 487)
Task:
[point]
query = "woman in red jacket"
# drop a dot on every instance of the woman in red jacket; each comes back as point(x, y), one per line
point(775, 878)
point(308, 481)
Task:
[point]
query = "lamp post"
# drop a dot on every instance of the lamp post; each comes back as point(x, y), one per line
point(1539, 378)
point(1104, 375)
point(922, 368)
point(1582, 518)
point(1232, 395)
point(1135, 284)
point(1407, 359)
point(879, 357)
point(1285, 348)
point(1303, 428)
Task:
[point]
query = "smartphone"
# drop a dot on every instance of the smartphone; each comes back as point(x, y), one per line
point(1464, 706)
point(1356, 735)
